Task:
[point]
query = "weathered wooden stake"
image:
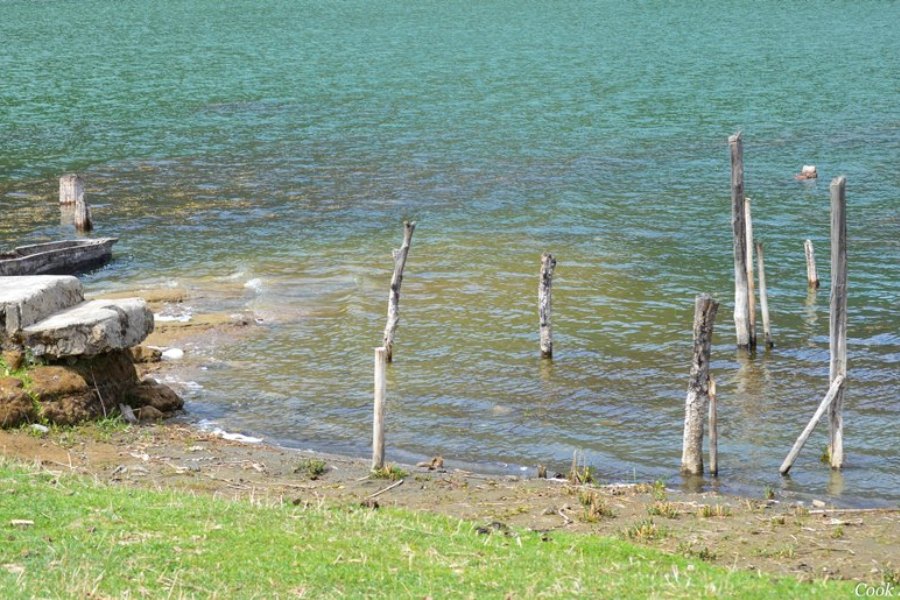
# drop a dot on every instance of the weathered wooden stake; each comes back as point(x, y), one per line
point(378, 420)
point(393, 315)
point(836, 386)
point(741, 296)
point(71, 187)
point(548, 264)
point(751, 297)
point(812, 278)
point(838, 316)
point(713, 429)
point(83, 220)
point(763, 296)
point(698, 386)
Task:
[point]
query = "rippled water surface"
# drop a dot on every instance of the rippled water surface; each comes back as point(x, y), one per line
point(280, 144)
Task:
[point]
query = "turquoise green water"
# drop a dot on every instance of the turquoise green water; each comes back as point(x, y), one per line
point(281, 144)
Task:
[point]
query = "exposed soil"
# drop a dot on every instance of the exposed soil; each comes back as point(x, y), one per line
point(739, 533)
point(808, 542)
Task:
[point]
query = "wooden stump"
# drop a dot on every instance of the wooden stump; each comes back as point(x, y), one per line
point(713, 429)
point(548, 264)
point(763, 296)
point(812, 278)
point(378, 418)
point(83, 220)
point(739, 232)
point(698, 386)
point(393, 315)
point(71, 187)
point(838, 316)
point(751, 298)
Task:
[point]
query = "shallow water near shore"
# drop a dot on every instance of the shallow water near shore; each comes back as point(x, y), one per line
point(275, 149)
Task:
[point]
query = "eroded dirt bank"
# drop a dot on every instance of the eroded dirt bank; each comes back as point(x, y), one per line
point(758, 534)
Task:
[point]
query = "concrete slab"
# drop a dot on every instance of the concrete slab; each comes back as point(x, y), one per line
point(29, 299)
point(90, 328)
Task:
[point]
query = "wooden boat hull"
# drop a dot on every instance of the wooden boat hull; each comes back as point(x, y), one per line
point(57, 258)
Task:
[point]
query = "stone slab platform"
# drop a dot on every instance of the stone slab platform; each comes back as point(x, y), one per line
point(26, 300)
point(90, 328)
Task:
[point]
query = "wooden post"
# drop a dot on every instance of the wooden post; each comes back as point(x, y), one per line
point(83, 220)
point(763, 296)
point(713, 429)
point(71, 187)
point(393, 315)
point(751, 296)
point(741, 296)
point(378, 420)
point(812, 278)
point(838, 316)
point(836, 386)
point(698, 386)
point(548, 264)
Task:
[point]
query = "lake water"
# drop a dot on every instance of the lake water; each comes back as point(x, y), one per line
point(280, 144)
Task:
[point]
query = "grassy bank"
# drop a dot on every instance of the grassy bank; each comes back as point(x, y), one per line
point(70, 536)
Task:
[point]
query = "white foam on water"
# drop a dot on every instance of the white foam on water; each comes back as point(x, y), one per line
point(254, 284)
point(212, 428)
point(161, 318)
point(173, 354)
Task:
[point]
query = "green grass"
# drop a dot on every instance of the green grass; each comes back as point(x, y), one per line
point(391, 472)
point(91, 539)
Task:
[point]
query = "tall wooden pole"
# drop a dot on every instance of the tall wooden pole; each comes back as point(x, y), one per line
point(698, 386)
point(393, 314)
point(71, 187)
point(838, 316)
point(713, 429)
point(378, 419)
point(741, 308)
point(812, 278)
point(763, 296)
point(751, 299)
point(83, 220)
point(548, 264)
point(836, 386)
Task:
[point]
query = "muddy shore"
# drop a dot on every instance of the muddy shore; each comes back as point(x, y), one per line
point(763, 534)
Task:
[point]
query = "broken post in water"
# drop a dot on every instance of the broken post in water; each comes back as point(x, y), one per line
point(83, 220)
point(741, 308)
point(71, 187)
point(698, 386)
point(378, 419)
point(713, 429)
point(548, 264)
point(812, 278)
point(393, 315)
point(751, 298)
point(836, 386)
point(838, 316)
point(763, 296)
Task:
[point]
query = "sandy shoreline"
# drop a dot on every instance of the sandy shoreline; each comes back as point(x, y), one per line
point(768, 535)
point(752, 534)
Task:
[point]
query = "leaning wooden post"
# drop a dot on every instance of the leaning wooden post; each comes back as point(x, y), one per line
point(393, 315)
point(548, 264)
point(763, 296)
point(83, 221)
point(751, 297)
point(71, 187)
point(698, 386)
point(812, 278)
point(741, 295)
point(378, 420)
point(713, 429)
point(838, 316)
point(836, 386)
